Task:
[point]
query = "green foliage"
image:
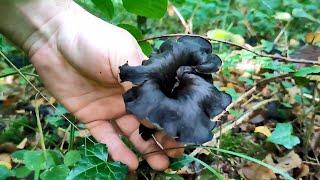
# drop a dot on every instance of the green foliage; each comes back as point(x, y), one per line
point(56, 118)
point(303, 72)
point(105, 6)
point(59, 172)
point(297, 12)
point(21, 172)
point(238, 142)
point(94, 164)
point(137, 34)
point(283, 135)
point(72, 157)
point(147, 8)
point(180, 162)
point(4, 172)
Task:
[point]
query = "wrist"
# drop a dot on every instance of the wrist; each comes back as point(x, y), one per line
point(26, 22)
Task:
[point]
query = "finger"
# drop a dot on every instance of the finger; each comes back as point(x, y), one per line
point(104, 133)
point(171, 147)
point(129, 125)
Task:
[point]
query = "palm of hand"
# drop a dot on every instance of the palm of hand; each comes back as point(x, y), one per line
point(79, 65)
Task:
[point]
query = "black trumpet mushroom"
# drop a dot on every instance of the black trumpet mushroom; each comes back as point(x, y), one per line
point(174, 90)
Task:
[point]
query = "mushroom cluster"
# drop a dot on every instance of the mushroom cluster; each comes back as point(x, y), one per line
point(174, 90)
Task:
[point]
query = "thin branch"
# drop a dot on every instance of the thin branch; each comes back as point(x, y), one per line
point(182, 20)
point(233, 124)
point(14, 73)
point(249, 92)
point(261, 54)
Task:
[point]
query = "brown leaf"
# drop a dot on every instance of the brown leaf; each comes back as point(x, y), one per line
point(285, 163)
point(313, 37)
point(253, 171)
point(5, 160)
point(22, 144)
point(304, 171)
point(7, 147)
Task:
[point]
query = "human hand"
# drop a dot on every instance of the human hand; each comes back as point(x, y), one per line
point(77, 56)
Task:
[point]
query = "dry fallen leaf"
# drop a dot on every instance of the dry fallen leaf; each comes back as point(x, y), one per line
point(285, 163)
point(312, 37)
point(253, 171)
point(304, 171)
point(22, 144)
point(5, 160)
point(263, 130)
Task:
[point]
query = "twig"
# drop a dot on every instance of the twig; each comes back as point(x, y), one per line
point(261, 54)
point(258, 85)
point(182, 20)
point(14, 73)
point(233, 124)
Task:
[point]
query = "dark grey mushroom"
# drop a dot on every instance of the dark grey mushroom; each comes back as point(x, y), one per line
point(174, 90)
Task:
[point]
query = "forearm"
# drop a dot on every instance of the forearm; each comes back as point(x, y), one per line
point(26, 21)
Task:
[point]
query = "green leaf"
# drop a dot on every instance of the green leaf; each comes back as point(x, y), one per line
point(97, 150)
point(297, 12)
point(146, 48)
point(21, 172)
point(94, 164)
point(56, 121)
point(137, 34)
point(283, 135)
point(55, 173)
point(179, 163)
point(134, 31)
point(72, 157)
point(147, 8)
point(60, 110)
point(267, 45)
point(234, 95)
point(34, 160)
point(4, 172)
point(54, 158)
point(307, 70)
point(18, 155)
point(105, 6)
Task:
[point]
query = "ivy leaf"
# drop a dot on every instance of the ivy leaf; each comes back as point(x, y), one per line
point(94, 164)
point(179, 163)
point(147, 8)
point(267, 45)
point(55, 173)
point(297, 12)
point(56, 121)
point(72, 157)
point(4, 172)
point(283, 135)
point(18, 155)
point(21, 172)
point(34, 160)
point(105, 6)
point(307, 70)
point(60, 110)
point(97, 150)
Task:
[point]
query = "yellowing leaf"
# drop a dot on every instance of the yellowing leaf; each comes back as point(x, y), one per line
point(5, 160)
point(223, 35)
point(312, 37)
point(263, 130)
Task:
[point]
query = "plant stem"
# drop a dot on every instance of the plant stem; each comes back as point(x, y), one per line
point(43, 147)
